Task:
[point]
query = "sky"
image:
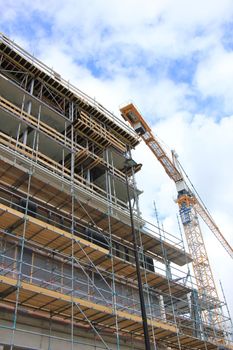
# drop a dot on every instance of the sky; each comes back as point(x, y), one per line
point(174, 61)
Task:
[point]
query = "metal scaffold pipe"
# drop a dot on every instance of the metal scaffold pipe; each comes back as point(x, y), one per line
point(128, 166)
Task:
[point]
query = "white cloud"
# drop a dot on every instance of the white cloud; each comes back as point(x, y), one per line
point(214, 76)
point(161, 28)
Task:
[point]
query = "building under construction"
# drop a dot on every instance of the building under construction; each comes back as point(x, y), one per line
point(71, 229)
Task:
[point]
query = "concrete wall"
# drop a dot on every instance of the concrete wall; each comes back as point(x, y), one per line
point(35, 333)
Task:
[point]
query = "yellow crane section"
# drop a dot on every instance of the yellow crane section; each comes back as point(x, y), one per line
point(190, 207)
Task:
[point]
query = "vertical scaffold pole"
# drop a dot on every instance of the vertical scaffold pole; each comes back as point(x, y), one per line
point(128, 166)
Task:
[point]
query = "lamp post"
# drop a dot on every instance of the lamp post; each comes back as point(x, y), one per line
point(129, 165)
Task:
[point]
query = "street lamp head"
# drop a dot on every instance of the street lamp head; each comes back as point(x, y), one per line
point(130, 164)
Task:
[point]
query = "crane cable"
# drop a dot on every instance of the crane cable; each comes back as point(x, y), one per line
point(194, 189)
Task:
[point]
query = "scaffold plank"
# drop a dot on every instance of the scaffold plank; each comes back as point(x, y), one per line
point(57, 239)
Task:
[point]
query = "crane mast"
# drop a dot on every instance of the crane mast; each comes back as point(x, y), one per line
point(189, 207)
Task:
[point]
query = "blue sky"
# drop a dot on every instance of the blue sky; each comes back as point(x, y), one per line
point(174, 59)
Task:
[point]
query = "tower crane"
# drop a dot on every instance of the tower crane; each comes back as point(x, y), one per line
point(190, 206)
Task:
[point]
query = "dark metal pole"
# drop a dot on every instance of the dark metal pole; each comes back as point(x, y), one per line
point(140, 287)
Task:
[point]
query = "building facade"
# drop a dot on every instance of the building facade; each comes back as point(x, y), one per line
point(67, 265)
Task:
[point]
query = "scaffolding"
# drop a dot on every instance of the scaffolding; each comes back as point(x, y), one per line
point(67, 265)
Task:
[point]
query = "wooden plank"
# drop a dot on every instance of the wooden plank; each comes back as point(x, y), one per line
point(44, 234)
point(47, 294)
